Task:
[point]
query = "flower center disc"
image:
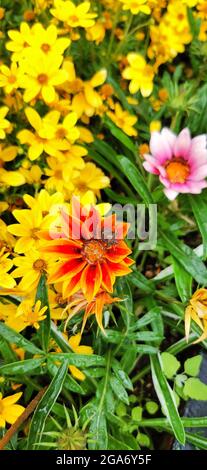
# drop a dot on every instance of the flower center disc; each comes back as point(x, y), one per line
point(40, 265)
point(177, 170)
point(94, 251)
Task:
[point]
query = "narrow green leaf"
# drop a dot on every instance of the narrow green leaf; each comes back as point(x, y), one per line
point(45, 405)
point(22, 367)
point(121, 375)
point(186, 257)
point(98, 431)
point(199, 209)
point(16, 338)
point(78, 360)
point(147, 318)
point(70, 383)
point(136, 179)
point(166, 398)
point(147, 336)
point(118, 389)
point(140, 281)
point(126, 306)
point(6, 351)
point(116, 444)
point(183, 281)
point(59, 338)
point(119, 135)
point(146, 349)
point(44, 330)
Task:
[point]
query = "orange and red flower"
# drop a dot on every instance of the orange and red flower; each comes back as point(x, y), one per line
point(90, 251)
point(77, 303)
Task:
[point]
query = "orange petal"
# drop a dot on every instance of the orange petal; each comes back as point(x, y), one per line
point(91, 281)
point(67, 269)
point(108, 278)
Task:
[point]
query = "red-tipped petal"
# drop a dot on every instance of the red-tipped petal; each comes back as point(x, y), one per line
point(119, 269)
point(91, 281)
point(108, 278)
point(67, 269)
point(72, 286)
point(118, 252)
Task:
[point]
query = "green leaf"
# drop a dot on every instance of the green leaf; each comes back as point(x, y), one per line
point(186, 257)
point(170, 364)
point(16, 338)
point(98, 429)
point(137, 413)
point(22, 367)
point(140, 281)
point(126, 306)
point(183, 281)
point(44, 330)
point(78, 360)
point(192, 366)
point(119, 135)
point(119, 390)
point(199, 209)
point(59, 338)
point(146, 349)
point(45, 405)
point(152, 407)
point(6, 351)
point(116, 444)
point(195, 389)
point(198, 441)
point(121, 375)
point(166, 398)
point(147, 336)
point(70, 383)
point(136, 179)
point(147, 318)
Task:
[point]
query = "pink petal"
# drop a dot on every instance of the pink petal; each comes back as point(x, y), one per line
point(183, 143)
point(169, 136)
point(160, 147)
point(197, 186)
point(150, 168)
point(164, 181)
point(198, 173)
point(170, 194)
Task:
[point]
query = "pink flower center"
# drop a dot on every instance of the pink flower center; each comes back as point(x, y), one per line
point(177, 170)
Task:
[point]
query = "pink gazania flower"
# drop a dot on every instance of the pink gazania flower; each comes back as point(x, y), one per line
point(179, 160)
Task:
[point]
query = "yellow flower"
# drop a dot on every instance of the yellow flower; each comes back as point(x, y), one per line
point(32, 175)
point(90, 178)
point(60, 176)
point(47, 40)
point(31, 314)
point(140, 74)
point(96, 33)
point(44, 201)
point(7, 241)
point(123, 119)
point(40, 74)
point(9, 77)
point(50, 137)
point(74, 343)
point(4, 123)
point(8, 314)
point(6, 279)
point(73, 15)
point(19, 41)
point(197, 311)
point(155, 126)
point(136, 6)
point(9, 411)
point(30, 222)
point(86, 99)
point(30, 267)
